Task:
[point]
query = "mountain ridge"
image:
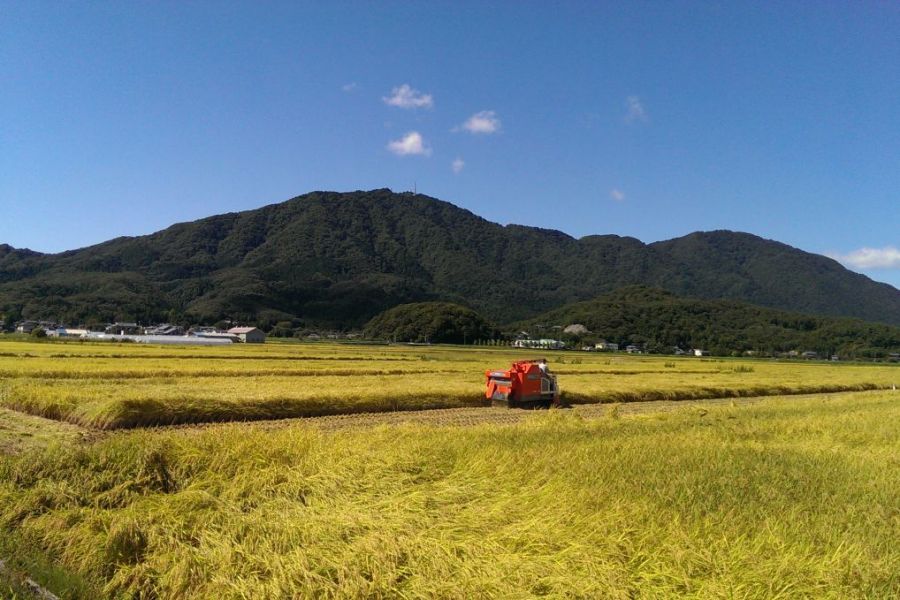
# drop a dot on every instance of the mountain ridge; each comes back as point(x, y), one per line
point(337, 259)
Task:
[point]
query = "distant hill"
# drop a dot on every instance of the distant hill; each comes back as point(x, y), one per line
point(337, 259)
point(437, 322)
point(660, 321)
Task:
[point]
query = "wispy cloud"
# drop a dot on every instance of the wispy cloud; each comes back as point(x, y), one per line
point(410, 144)
point(871, 258)
point(349, 87)
point(634, 110)
point(485, 122)
point(617, 195)
point(457, 165)
point(405, 96)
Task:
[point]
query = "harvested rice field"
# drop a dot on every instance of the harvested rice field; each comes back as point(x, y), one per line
point(699, 478)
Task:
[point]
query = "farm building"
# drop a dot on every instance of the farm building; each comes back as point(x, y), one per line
point(542, 343)
point(124, 329)
point(182, 340)
point(164, 329)
point(65, 332)
point(29, 326)
point(26, 326)
point(250, 335)
point(609, 346)
point(217, 335)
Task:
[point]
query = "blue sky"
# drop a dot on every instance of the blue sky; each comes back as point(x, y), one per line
point(644, 119)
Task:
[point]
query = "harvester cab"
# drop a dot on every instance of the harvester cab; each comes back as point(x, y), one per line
point(526, 384)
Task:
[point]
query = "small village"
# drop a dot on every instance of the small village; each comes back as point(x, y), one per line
point(575, 337)
point(163, 333)
point(578, 337)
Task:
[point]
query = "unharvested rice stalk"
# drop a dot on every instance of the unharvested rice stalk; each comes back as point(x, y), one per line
point(783, 498)
point(707, 393)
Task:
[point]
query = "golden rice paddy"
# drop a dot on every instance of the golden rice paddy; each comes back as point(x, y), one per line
point(788, 496)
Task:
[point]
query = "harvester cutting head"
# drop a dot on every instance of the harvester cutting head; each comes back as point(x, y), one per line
point(526, 384)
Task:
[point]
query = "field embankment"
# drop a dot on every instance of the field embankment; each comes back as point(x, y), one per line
point(121, 386)
point(782, 498)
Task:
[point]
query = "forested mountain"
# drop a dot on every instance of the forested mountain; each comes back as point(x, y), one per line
point(335, 260)
point(660, 321)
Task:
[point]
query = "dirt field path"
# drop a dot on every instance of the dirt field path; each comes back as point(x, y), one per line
point(495, 416)
point(480, 416)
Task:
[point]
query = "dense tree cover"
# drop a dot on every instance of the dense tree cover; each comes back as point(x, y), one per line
point(436, 322)
point(336, 260)
point(661, 321)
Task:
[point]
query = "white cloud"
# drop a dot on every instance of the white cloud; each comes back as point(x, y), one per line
point(871, 258)
point(457, 165)
point(406, 97)
point(634, 110)
point(410, 144)
point(485, 121)
point(349, 87)
point(617, 195)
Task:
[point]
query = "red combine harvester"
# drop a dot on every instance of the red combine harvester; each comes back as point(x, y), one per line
point(524, 385)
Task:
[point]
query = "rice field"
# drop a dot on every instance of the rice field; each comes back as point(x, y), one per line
point(787, 497)
point(639, 491)
point(110, 386)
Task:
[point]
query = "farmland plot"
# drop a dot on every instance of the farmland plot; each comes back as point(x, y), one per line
point(785, 497)
point(112, 386)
